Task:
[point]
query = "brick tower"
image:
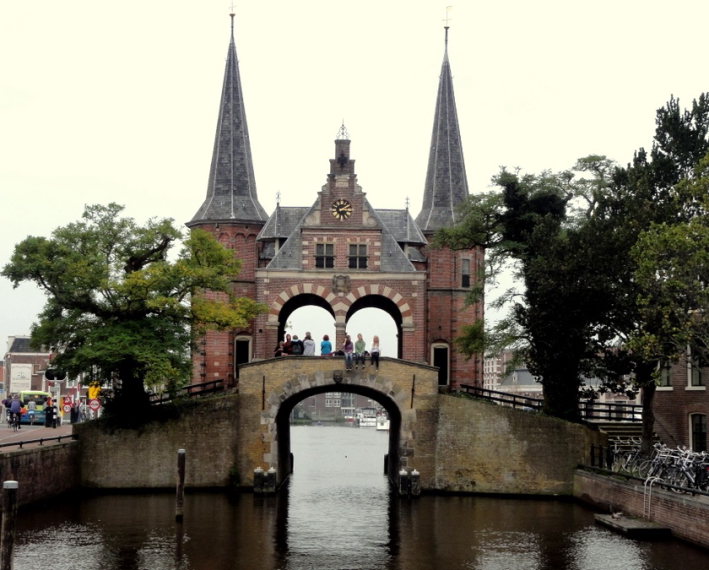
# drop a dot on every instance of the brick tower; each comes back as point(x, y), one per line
point(450, 273)
point(232, 213)
point(341, 254)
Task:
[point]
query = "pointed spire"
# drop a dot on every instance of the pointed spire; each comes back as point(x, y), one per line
point(446, 184)
point(231, 189)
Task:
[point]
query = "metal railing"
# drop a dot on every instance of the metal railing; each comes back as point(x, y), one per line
point(40, 441)
point(203, 389)
point(590, 410)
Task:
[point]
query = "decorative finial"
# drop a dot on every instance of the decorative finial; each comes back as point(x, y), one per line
point(447, 20)
point(342, 134)
point(407, 203)
point(231, 15)
point(278, 199)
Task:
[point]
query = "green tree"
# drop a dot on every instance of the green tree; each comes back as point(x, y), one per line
point(657, 189)
point(119, 309)
point(528, 221)
point(672, 271)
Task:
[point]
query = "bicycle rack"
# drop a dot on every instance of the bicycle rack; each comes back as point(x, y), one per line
point(647, 495)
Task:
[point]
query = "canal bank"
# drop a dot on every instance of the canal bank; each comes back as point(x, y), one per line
point(687, 516)
point(336, 512)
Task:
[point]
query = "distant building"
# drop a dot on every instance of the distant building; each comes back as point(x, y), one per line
point(23, 366)
point(495, 369)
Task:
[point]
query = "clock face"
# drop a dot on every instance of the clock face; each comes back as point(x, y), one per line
point(341, 209)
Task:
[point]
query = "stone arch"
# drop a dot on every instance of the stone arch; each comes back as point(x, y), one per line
point(385, 391)
point(373, 291)
point(296, 302)
point(385, 304)
point(342, 307)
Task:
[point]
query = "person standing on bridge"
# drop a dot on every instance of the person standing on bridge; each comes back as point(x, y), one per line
point(359, 348)
point(308, 345)
point(348, 349)
point(374, 352)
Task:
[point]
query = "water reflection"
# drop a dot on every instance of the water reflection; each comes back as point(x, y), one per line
point(336, 514)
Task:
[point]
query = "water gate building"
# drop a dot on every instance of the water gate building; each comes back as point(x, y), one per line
point(340, 252)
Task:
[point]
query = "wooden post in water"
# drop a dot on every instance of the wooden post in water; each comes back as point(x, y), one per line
point(180, 498)
point(9, 515)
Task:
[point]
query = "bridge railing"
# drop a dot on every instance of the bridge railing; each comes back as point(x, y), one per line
point(503, 398)
point(590, 410)
point(202, 389)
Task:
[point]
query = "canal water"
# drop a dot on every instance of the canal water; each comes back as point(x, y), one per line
point(337, 513)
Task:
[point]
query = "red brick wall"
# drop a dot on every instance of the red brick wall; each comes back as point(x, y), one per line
point(687, 517)
point(674, 406)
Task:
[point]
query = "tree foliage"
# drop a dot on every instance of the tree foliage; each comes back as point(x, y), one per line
point(118, 308)
point(587, 253)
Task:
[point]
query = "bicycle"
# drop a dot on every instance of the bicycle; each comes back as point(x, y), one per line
point(14, 421)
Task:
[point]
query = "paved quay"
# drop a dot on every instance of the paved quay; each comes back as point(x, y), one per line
point(28, 436)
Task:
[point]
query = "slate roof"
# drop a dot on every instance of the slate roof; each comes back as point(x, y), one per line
point(288, 222)
point(231, 189)
point(446, 185)
point(21, 344)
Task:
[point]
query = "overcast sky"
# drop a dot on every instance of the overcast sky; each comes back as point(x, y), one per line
point(117, 101)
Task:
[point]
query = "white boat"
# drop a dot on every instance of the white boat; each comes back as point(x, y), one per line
point(366, 417)
point(383, 423)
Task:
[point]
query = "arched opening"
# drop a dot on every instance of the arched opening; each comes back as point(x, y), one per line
point(375, 314)
point(307, 312)
point(242, 351)
point(285, 458)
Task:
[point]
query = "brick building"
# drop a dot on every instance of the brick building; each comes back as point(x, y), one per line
point(340, 252)
point(682, 404)
point(24, 366)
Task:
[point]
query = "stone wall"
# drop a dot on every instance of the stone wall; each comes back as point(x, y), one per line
point(457, 444)
point(686, 516)
point(147, 458)
point(41, 472)
point(484, 448)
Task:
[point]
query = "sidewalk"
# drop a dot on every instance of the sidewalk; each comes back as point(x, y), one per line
point(31, 433)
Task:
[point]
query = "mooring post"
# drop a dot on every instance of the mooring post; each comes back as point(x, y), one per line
point(415, 483)
point(269, 481)
point(404, 483)
point(9, 515)
point(180, 498)
point(259, 477)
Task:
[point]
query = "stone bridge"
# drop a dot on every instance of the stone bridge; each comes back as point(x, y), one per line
point(269, 390)
point(456, 443)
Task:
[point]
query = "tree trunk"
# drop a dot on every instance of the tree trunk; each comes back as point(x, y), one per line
point(561, 398)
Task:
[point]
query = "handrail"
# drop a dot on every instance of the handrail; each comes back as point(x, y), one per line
point(590, 410)
point(201, 389)
point(41, 440)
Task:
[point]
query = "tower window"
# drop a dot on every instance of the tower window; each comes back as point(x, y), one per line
point(358, 256)
point(324, 255)
point(465, 274)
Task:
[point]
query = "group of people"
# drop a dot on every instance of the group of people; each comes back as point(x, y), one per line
point(355, 353)
point(16, 408)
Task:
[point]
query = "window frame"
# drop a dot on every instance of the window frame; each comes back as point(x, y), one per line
point(325, 255)
point(357, 261)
